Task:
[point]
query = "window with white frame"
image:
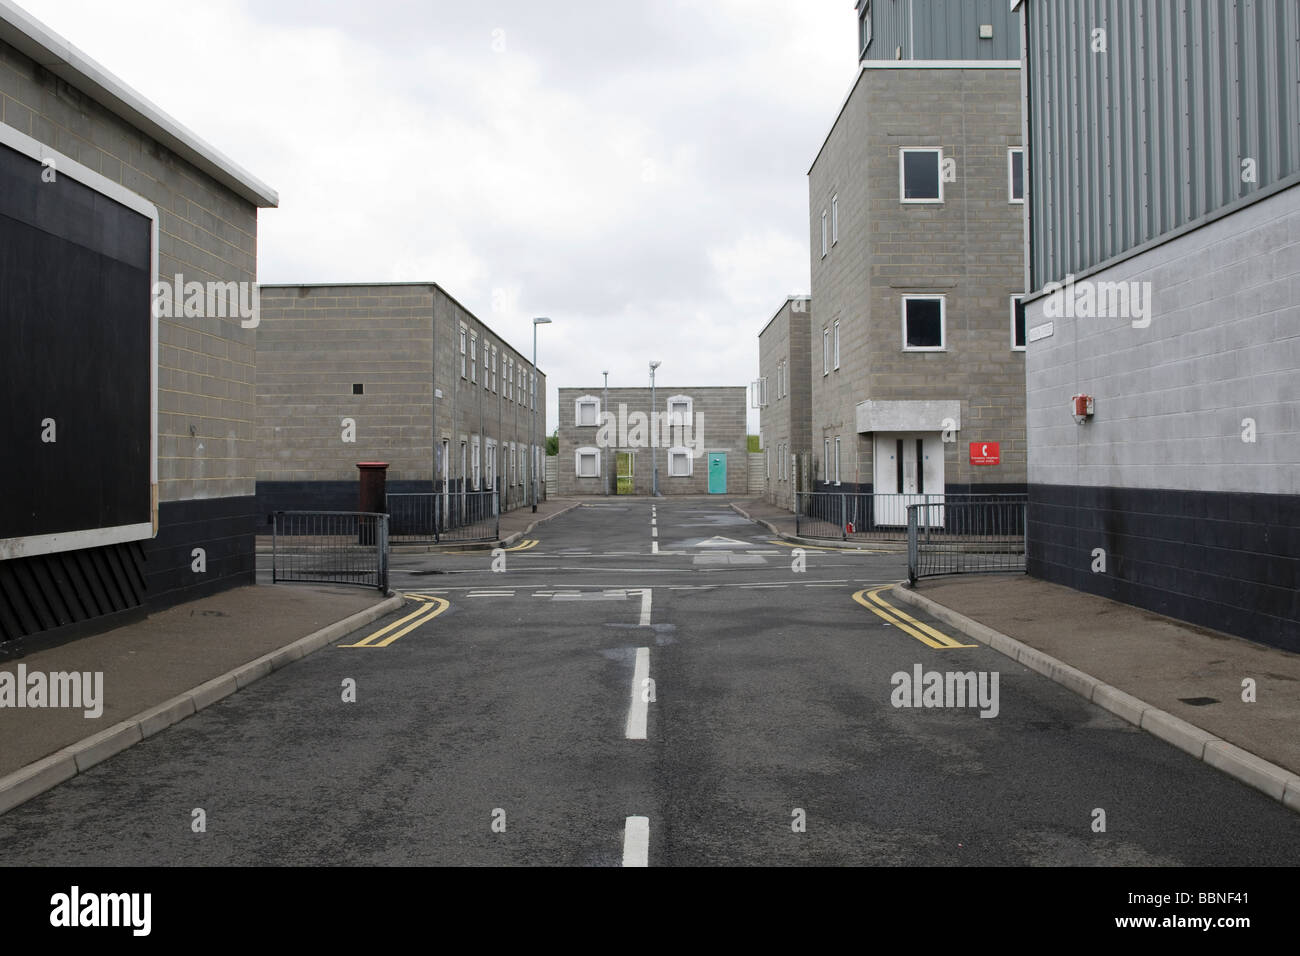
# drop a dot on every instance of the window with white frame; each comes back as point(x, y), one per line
point(491, 469)
point(826, 351)
point(587, 462)
point(473, 356)
point(464, 334)
point(586, 411)
point(476, 463)
point(923, 323)
point(824, 247)
point(514, 471)
point(836, 344)
point(680, 408)
point(680, 462)
point(837, 461)
point(835, 219)
point(494, 368)
point(1017, 323)
point(826, 460)
point(920, 178)
point(508, 377)
point(1016, 174)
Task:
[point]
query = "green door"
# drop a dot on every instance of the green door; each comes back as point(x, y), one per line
point(717, 473)
point(626, 469)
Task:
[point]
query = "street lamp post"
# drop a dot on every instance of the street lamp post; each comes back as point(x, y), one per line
point(654, 451)
point(604, 454)
point(533, 451)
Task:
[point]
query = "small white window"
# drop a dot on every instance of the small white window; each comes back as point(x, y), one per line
point(823, 233)
point(920, 178)
point(826, 460)
point(826, 351)
point(680, 462)
point(837, 343)
point(835, 219)
point(494, 368)
point(1017, 323)
point(586, 411)
point(1016, 174)
point(923, 323)
point(837, 461)
point(473, 356)
point(587, 462)
point(491, 468)
point(476, 463)
point(463, 335)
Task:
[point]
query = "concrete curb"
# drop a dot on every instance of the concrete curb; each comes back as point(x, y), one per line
point(48, 772)
point(512, 539)
point(1278, 782)
point(889, 546)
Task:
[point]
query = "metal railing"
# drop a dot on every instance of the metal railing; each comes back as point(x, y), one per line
point(438, 518)
point(330, 547)
point(969, 537)
point(871, 516)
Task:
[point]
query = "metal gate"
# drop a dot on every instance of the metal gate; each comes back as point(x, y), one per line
point(330, 547)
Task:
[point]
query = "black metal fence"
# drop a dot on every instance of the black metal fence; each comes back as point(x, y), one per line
point(330, 547)
point(869, 516)
point(438, 518)
point(969, 537)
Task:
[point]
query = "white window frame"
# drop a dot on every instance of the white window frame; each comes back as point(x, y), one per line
point(577, 412)
point(464, 334)
point(1014, 346)
point(824, 246)
point(826, 460)
point(943, 324)
point(587, 451)
point(476, 463)
point(490, 464)
point(473, 357)
point(826, 351)
point(902, 178)
point(835, 219)
point(680, 451)
point(836, 344)
point(1011, 180)
point(494, 368)
point(837, 461)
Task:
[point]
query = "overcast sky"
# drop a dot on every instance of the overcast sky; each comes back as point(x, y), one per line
point(635, 171)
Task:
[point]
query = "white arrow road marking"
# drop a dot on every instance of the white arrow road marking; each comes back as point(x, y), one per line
point(636, 841)
point(636, 714)
point(720, 542)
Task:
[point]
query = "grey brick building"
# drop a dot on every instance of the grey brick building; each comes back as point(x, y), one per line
point(696, 436)
point(1164, 250)
point(916, 209)
point(394, 372)
point(783, 393)
point(132, 416)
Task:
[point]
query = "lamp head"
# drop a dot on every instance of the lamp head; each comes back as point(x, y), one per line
point(655, 365)
point(541, 321)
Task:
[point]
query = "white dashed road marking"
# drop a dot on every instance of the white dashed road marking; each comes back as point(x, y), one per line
point(636, 842)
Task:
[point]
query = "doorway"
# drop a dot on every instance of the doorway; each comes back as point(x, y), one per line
point(717, 473)
point(907, 469)
point(626, 470)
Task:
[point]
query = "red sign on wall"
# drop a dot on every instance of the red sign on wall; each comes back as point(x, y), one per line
point(985, 453)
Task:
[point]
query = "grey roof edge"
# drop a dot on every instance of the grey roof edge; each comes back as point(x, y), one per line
point(777, 314)
point(431, 286)
point(36, 41)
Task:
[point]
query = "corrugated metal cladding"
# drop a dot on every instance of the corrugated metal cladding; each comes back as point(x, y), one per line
point(943, 30)
point(1130, 143)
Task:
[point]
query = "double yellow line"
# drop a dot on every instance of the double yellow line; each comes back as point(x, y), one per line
point(430, 607)
point(924, 633)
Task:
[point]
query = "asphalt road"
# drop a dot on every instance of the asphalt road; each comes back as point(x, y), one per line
point(496, 731)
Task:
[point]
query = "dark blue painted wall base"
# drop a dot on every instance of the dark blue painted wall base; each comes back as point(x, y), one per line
point(49, 599)
point(854, 488)
point(1220, 560)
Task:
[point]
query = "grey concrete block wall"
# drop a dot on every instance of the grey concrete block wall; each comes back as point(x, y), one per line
point(785, 423)
point(968, 249)
point(1222, 347)
point(401, 343)
point(205, 233)
point(719, 415)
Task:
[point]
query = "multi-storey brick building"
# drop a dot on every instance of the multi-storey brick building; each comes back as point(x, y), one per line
point(400, 373)
point(612, 441)
point(916, 202)
point(127, 413)
point(1164, 250)
point(783, 395)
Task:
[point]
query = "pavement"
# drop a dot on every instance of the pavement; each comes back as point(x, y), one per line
point(1230, 702)
point(770, 695)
